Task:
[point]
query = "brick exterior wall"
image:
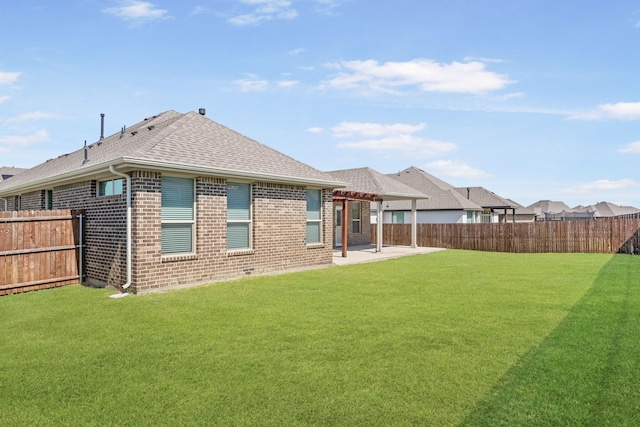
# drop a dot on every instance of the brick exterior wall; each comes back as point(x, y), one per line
point(105, 230)
point(33, 201)
point(278, 234)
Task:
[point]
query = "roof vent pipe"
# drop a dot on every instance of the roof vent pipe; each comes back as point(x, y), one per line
point(468, 193)
point(202, 111)
point(101, 125)
point(86, 159)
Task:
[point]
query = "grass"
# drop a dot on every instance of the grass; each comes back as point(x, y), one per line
point(450, 338)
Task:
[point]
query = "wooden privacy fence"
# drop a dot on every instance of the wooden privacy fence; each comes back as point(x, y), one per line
point(39, 249)
point(604, 235)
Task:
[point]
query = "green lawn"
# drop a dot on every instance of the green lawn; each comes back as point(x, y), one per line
point(449, 338)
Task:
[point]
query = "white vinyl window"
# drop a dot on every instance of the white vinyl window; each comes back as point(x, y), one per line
point(314, 216)
point(355, 217)
point(397, 218)
point(238, 216)
point(178, 215)
point(111, 187)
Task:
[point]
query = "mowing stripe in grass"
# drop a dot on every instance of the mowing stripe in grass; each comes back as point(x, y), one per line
point(587, 372)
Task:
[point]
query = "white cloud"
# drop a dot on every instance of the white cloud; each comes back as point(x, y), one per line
point(137, 12)
point(264, 10)
point(346, 129)
point(455, 169)
point(426, 75)
point(396, 138)
point(251, 83)
point(315, 129)
point(633, 148)
point(36, 115)
point(620, 110)
point(4, 98)
point(24, 140)
point(603, 185)
point(297, 51)
point(509, 96)
point(288, 83)
point(327, 6)
point(7, 77)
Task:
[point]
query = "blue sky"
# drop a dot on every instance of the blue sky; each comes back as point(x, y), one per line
point(530, 99)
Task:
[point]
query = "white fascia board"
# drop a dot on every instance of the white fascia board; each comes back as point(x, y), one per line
point(225, 173)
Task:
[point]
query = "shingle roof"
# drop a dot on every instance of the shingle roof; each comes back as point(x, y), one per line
point(367, 180)
point(485, 198)
point(542, 206)
point(7, 172)
point(442, 195)
point(606, 209)
point(176, 141)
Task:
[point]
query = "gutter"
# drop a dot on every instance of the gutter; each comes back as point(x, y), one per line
point(156, 165)
point(128, 179)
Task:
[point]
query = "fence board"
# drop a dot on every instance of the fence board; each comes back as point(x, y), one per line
point(38, 250)
point(603, 235)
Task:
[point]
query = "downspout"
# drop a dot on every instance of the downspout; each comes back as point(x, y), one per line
point(128, 180)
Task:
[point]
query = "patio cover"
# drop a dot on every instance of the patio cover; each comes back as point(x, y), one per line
point(366, 184)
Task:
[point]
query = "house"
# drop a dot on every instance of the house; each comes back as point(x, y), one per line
point(179, 199)
point(444, 205)
point(7, 172)
point(548, 206)
point(492, 204)
point(521, 214)
point(447, 204)
point(352, 204)
point(607, 210)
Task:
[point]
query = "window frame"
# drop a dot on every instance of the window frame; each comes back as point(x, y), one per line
point(356, 220)
point(191, 222)
point(48, 200)
point(102, 191)
point(317, 221)
point(248, 222)
point(395, 215)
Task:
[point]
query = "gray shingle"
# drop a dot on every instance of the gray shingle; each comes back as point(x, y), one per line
point(187, 141)
point(367, 180)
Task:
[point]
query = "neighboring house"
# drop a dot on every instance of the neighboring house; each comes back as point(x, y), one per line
point(522, 214)
point(541, 207)
point(180, 199)
point(352, 205)
point(607, 210)
point(494, 207)
point(7, 172)
point(547, 210)
point(444, 205)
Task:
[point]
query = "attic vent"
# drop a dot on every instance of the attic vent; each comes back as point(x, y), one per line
point(151, 127)
point(202, 111)
point(134, 133)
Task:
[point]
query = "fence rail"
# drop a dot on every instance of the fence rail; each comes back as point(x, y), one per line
point(39, 250)
point(604, 235)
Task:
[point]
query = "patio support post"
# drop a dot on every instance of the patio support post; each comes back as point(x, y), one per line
point(414, 223)
point(379, 227)
point(345, 224)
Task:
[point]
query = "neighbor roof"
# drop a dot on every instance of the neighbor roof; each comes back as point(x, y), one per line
point(442, 196)
point(542, 206)
point(172, 141)
point(7, 172)
point(606, 209)
point(367, 180)
point(485, 198)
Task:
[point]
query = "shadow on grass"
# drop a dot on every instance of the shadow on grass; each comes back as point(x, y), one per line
point(587, 372)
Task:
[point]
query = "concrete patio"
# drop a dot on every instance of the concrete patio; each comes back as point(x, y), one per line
point(367, 253)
